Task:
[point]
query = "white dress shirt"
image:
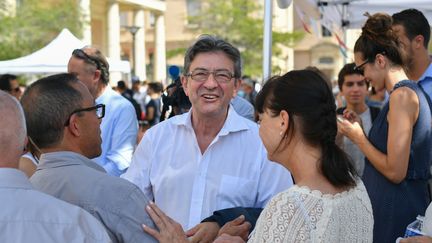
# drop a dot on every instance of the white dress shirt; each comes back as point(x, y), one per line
point(188, 186)
point(28, 215)
point(119, 130)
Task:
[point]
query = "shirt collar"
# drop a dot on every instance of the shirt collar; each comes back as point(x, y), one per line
point(65, 158)
point(233, 123)
point(106, 93)
point(426, 74)
point(13, 178)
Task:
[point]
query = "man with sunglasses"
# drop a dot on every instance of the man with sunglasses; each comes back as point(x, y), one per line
point(9, 84)
point(64, 124)
point(209, 158)
point(120, 125)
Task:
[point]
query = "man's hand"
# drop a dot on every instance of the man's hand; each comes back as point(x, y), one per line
point(203, 232)
point(169, 230)
point(237, 227)
point(229, 239)
point(417, 239)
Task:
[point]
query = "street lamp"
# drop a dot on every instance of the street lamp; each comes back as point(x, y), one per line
point(133, 30)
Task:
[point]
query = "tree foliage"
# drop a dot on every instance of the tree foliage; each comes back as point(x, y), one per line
point(35, 24)
point(240, 22)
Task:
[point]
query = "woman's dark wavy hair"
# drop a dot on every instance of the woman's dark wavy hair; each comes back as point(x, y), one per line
point(377, 37)
point(305, 95)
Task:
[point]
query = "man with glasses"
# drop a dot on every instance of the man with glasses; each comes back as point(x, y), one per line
point(9, 84)
point(28, 215)
point(64, 123)
point(209, 158)
point(354, 89)
point(120, 125)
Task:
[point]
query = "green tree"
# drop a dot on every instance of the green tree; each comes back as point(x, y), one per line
point(240, 22)
point(35, 24)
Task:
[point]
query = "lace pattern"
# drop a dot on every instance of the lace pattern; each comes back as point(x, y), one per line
point(302, 215)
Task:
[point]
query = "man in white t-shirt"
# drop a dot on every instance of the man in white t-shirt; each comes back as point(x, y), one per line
point(354, 89)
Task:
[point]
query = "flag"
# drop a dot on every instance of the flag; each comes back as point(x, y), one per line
point(340, 41)
point(302, 17)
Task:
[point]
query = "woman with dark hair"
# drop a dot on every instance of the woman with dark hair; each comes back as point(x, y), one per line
point(398, 150)
point(329, 203)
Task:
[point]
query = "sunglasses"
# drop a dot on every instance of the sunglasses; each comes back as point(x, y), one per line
point(360, 67)
point(79, 53)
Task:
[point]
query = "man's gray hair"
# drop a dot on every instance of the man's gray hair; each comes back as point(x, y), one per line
point(209, 43)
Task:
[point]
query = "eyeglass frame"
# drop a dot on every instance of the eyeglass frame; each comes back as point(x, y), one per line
point(87, 109)
point(212, 73)
point(360, 67)
point(80, 53)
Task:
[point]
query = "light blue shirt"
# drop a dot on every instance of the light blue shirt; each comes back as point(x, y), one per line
point(28, 215)
point(425, 81)
point(119, 130)
point(243, 107)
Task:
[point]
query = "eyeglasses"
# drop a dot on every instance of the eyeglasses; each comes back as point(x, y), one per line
point(201, 75)
point(82, 55)
point(100, 112)
point(360, 67)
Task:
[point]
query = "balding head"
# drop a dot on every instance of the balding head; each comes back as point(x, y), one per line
point(12, 131)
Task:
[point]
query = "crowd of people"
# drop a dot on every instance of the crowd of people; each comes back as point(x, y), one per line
point(219, 162)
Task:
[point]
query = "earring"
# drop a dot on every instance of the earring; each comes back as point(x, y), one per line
point(281, 133)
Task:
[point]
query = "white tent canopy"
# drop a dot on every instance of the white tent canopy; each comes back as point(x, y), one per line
point(351, 11)
point(53, 58)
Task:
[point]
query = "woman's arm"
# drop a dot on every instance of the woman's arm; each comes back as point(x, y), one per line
point(403, 113)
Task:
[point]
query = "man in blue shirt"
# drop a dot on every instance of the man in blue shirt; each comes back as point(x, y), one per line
point(120, 125)
point(413, 31)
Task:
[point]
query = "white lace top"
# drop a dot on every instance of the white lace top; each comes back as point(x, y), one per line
point(301, 215)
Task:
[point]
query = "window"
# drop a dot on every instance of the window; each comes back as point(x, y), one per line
point(326, 60)
point(193, 10)
point(325, 32)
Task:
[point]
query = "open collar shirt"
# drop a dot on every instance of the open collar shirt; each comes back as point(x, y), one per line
point(188, 185)
point(119, 130)
point(425, 81)
point(117, 203)
point(28, 215)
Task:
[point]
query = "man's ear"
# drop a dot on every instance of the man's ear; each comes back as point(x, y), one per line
point(419, 41)
point(237, 84)
point(97, 75)
point(185, 84)
point(74, 127)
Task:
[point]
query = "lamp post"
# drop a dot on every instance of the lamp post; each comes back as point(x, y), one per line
point(133, 30)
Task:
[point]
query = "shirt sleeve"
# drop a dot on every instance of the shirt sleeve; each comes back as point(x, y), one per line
point(129, 216)
point(123, 141)
point(139, 170)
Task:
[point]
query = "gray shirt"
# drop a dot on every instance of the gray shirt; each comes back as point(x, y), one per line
point(352, 149)
point(28, 215)
point(115, 202)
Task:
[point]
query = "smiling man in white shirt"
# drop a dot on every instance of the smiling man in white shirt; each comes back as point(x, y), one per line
point(209, 158)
